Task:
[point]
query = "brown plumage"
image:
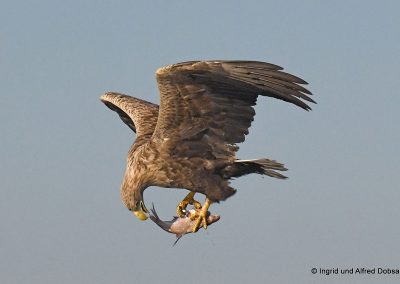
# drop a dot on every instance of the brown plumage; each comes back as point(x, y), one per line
point(190, 141)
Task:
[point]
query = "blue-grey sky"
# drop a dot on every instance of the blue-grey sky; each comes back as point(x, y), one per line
point(62, 153)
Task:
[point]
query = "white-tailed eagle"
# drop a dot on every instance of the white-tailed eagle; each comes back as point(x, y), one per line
point(190, 140)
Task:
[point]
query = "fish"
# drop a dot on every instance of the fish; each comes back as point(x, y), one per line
point(180, 226)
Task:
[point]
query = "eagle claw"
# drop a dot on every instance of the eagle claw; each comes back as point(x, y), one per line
point(181, 208)
point(201, 221)
point(201, 217)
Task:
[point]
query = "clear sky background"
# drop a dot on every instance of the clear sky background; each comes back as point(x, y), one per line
point(62, 153)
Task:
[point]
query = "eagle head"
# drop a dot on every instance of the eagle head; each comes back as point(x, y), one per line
point(132, 197)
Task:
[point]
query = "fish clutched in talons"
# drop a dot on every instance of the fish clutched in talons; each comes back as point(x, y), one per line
point(201, 216)
point(182, 225)
point(189, 199)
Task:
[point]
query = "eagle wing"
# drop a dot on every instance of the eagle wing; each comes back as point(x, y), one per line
point(206, 107)
point(141, 116)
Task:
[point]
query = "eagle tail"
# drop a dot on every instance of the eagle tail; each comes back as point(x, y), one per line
point(257, 166)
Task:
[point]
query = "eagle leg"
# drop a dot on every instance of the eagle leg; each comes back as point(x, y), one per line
point(202, 216)
point(189, 199)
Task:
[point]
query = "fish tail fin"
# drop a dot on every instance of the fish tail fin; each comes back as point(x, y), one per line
point(153, 215)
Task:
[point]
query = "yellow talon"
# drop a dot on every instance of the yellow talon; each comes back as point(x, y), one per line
point(189, 199)
point(202, 216)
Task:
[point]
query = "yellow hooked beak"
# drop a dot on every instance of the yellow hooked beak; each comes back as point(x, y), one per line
point(141, 211)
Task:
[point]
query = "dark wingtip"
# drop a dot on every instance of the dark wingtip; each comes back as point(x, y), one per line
point(308, 107)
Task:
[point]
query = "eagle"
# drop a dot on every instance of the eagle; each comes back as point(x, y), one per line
point(190, 140)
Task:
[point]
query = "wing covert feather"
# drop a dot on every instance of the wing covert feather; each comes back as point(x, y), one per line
point(206, 107)
point(141, 116)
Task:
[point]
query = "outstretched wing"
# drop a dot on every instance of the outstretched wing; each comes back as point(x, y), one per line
point(207, 106)
point(141, 116)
